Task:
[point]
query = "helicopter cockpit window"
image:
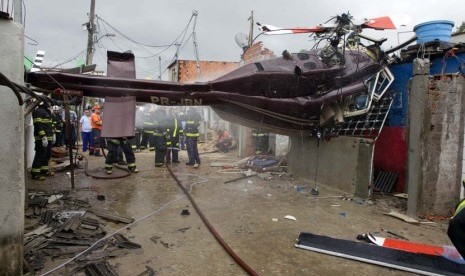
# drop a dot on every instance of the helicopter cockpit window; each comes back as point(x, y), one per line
point(377, 85)
point(384, 79)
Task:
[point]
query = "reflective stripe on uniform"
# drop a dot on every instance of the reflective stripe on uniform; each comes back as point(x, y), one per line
point(192, 134)
point(131, 165)
point(35, 170)
point(459, 208)
point(175, 127)
point(114, 141)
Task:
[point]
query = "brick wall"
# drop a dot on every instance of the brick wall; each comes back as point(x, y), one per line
point(257, 52)
point(210, 70)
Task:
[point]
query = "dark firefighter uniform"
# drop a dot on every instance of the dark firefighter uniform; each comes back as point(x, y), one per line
point(159, 138)
point(261, 141)
point(135, 141)
point(456, 230)
point(174, 130)
point(43, 136)
point(147, 132)
point(192, 134)
point(112, 156)
point(57, 125)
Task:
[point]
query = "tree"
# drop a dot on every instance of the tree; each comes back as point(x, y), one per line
point(461, 28)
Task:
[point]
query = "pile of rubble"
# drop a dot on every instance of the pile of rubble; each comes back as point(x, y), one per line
point(66, 227)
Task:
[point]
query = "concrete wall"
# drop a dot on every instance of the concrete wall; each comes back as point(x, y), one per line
point(435, 142)
point(344, 163)
point(12, 187)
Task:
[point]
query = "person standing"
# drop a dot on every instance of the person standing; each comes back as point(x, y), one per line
point(136, 140)
point(86, 132)
point(456, 229)
point(261, 141)
point(57, 126)
point(112, 157)
point(148, 130)
point(192, 135)
point(182, 136)
point(159, 137)
point(96, 123)
point(172, 141)
point(70, 141)
point(43, 136)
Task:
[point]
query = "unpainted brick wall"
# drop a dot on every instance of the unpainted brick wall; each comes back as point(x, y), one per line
point(257, 52)
point(210, 70)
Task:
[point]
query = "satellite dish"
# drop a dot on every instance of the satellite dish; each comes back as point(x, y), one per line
point(242, 40)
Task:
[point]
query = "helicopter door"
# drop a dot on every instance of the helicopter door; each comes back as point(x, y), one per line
point(384, 79)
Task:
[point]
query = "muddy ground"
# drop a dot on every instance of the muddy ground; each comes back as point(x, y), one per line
point(248, 214)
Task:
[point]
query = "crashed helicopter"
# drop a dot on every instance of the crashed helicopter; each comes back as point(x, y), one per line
point(303, 93)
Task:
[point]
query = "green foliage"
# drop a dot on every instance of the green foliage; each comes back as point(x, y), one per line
point(461, 28)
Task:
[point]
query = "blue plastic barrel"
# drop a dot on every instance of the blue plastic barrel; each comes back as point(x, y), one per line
point(434, 30)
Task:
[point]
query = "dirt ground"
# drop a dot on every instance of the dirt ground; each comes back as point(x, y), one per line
point(248, 214)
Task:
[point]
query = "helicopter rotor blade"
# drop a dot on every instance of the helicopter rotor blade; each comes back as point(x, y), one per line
point(387, 22)
point(272, 30)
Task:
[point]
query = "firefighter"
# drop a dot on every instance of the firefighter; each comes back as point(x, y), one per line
point(172, 142)
point(136, 140)
point(147, 131)
point(261, 141)
point(112, 157)
point(160, 136)
point(57, 124)
point(456, 229)
point(192, 135)
point(182, 137)
point(44, 139)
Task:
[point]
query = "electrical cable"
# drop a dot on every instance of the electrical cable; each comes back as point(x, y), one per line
point(139, 43)
point(129, 226)
point(110, 235)
point(6, 82)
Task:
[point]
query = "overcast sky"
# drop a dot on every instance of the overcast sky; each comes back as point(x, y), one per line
point(56, 26)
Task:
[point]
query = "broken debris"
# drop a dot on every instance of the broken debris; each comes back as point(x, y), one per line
point(402, 217)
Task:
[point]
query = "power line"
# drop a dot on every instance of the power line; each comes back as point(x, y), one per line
point(143, 44)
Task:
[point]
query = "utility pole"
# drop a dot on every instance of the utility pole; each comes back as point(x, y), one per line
point(90, 35)
point(159, 67)
point(251, 29)
point(177, 61)
point(195, 13)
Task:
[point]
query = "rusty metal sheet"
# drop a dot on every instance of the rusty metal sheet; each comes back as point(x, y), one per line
point(119, 117)
point(121, 65)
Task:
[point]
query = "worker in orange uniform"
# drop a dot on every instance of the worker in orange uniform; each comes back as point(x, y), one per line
point(96, 123)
